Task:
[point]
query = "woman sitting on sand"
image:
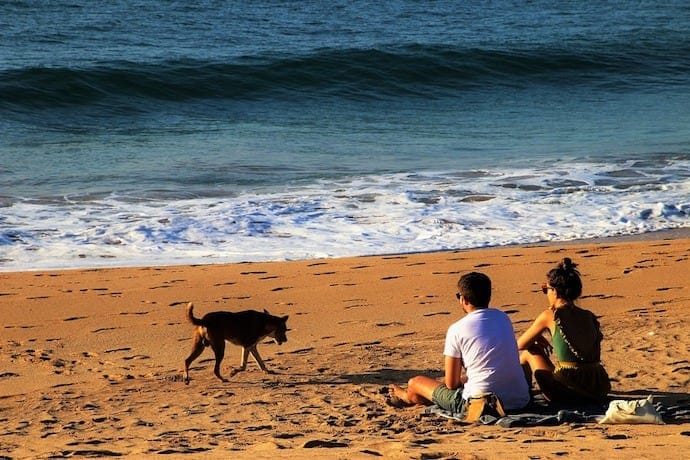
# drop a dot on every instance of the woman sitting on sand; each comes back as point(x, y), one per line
point(576, 339)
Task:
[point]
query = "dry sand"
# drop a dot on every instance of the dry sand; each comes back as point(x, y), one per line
point(91, 360)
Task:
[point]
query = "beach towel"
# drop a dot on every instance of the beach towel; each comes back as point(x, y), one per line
point(538, 413)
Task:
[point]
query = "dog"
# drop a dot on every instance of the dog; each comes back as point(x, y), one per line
point(245, 328)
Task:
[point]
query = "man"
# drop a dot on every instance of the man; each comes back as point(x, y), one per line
point(482, 346)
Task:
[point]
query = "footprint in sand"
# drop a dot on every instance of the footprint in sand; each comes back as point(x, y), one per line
point(62, 366)
point(118, 378)
point(391, 323)
point(178, 302)
point(367, 344)
point(357, 305)
point(423, 300)
point(115, 350)
point(103, 329)
point(75, 318)
point(227, 283)
point(300, 351)
point(129, 358)
point(405, 334)
point(602, 296)
point(437, 313)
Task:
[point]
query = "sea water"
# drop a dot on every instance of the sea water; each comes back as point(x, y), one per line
point(146, 132)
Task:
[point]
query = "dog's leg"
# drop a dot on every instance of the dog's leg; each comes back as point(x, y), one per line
point(219, 351)
point(243, 361)
point(197, 347)
point(255, 354)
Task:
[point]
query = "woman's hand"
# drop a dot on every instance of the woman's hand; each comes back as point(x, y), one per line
point(540, 346)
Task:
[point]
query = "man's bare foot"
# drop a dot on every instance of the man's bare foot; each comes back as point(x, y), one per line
point(397, 397)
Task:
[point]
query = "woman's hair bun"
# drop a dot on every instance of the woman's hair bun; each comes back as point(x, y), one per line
point(568, 264)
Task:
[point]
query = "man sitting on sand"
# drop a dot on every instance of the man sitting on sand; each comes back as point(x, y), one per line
point(481, 356)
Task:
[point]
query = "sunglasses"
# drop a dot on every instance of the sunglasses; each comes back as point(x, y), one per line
point(545, 288)
point(458, 295)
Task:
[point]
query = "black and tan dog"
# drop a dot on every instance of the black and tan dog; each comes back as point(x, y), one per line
point(244, 328)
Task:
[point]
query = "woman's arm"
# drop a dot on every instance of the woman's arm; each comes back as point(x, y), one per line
point(533, 335)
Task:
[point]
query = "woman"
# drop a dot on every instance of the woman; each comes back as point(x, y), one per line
point(576, 343)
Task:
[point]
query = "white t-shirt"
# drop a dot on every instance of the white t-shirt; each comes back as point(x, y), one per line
point(485, 340)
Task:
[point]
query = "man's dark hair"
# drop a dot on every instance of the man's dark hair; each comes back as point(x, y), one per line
point(475, 287)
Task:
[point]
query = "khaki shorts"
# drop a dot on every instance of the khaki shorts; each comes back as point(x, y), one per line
point(450, 400)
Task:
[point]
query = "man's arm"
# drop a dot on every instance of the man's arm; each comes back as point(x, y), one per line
point(453, 367)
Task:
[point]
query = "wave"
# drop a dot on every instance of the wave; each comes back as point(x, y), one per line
point(359, 74)
point(376, 214)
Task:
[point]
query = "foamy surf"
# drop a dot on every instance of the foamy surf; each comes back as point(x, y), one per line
point(377, 214)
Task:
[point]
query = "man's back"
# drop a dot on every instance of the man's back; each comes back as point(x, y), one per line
point(485, 340)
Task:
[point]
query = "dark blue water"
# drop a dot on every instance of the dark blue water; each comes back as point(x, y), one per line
point(105, 104)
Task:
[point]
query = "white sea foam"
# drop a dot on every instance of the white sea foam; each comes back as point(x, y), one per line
point(369, 215)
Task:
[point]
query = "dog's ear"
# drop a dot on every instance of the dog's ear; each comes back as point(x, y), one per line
point(284, 318)
point(266, 311)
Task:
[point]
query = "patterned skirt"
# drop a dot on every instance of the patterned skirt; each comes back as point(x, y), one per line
point(588, 380)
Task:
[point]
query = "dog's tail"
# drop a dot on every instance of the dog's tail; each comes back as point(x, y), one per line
point(190, 315)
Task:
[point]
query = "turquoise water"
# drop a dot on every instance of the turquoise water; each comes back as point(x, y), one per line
point(139, 132)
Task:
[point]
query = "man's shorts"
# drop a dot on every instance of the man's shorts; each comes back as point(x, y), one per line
point(450, 400)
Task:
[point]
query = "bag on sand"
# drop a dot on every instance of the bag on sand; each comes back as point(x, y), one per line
point(635, 411)
point(483, 404)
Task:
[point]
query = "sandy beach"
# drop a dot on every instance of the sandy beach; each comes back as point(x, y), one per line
point(91, 360)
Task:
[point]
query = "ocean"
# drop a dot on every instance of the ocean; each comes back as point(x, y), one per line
point(156, 133)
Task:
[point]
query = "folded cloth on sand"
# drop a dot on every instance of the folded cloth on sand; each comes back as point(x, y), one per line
point(632, 412)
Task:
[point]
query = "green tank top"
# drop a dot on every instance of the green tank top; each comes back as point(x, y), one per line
point(563, 352)
point(577, 337)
